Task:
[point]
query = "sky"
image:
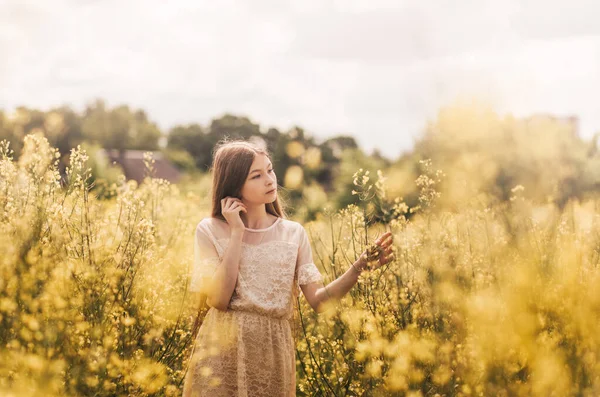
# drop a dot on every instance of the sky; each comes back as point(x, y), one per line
point(374, 69)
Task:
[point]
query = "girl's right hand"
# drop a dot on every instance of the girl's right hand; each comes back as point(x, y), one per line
point(230, 208)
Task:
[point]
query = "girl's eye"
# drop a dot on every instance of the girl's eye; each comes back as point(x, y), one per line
point(258, 176)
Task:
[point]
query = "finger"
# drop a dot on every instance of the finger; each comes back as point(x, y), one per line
point(236, 207)
point(242, 207)
point(383, 237)
point(237, 200)
point(227, 206)
point(231, 201)
point(384, 253)
point(384, 246)
point(387, 242)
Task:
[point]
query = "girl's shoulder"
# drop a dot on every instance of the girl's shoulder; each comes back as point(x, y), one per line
point(218, 227)
point(287, 222)
point(292, 230)
point(213, 227)
point(204, 222)
point(212, 222)
point(290, 224)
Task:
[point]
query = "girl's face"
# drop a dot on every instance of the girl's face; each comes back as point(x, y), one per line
point(261, 183)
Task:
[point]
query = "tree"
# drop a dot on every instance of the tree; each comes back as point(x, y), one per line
point(192, 139)
point(119, 128)
point(234, 127)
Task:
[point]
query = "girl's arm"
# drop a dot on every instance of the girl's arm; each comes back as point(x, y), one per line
point(220, 288)
point(317, 294)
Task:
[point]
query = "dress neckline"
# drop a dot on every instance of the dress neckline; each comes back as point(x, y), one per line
point(257, 230)
point(264, 229)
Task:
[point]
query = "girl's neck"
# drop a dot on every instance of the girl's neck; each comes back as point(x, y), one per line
point(257, 217)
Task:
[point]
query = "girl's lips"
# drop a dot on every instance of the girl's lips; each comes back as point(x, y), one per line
point(271, 191)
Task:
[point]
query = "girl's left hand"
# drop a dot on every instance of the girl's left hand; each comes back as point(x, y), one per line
point(379, 253)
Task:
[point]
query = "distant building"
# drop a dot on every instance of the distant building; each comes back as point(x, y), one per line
point(132, 163)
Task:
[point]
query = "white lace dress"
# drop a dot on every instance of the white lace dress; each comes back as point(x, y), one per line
point(248, 350)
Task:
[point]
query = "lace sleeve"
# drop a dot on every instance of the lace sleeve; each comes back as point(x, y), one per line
point(206, 259)
point(307, 271)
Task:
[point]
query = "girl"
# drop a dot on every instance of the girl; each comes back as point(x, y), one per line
point(250, 263)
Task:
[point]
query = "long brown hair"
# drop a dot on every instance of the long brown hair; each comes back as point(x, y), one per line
point(231, 164)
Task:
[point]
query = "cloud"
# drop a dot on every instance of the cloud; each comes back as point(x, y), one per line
point(375, 69)
point(540, 19)
point(407, 32)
